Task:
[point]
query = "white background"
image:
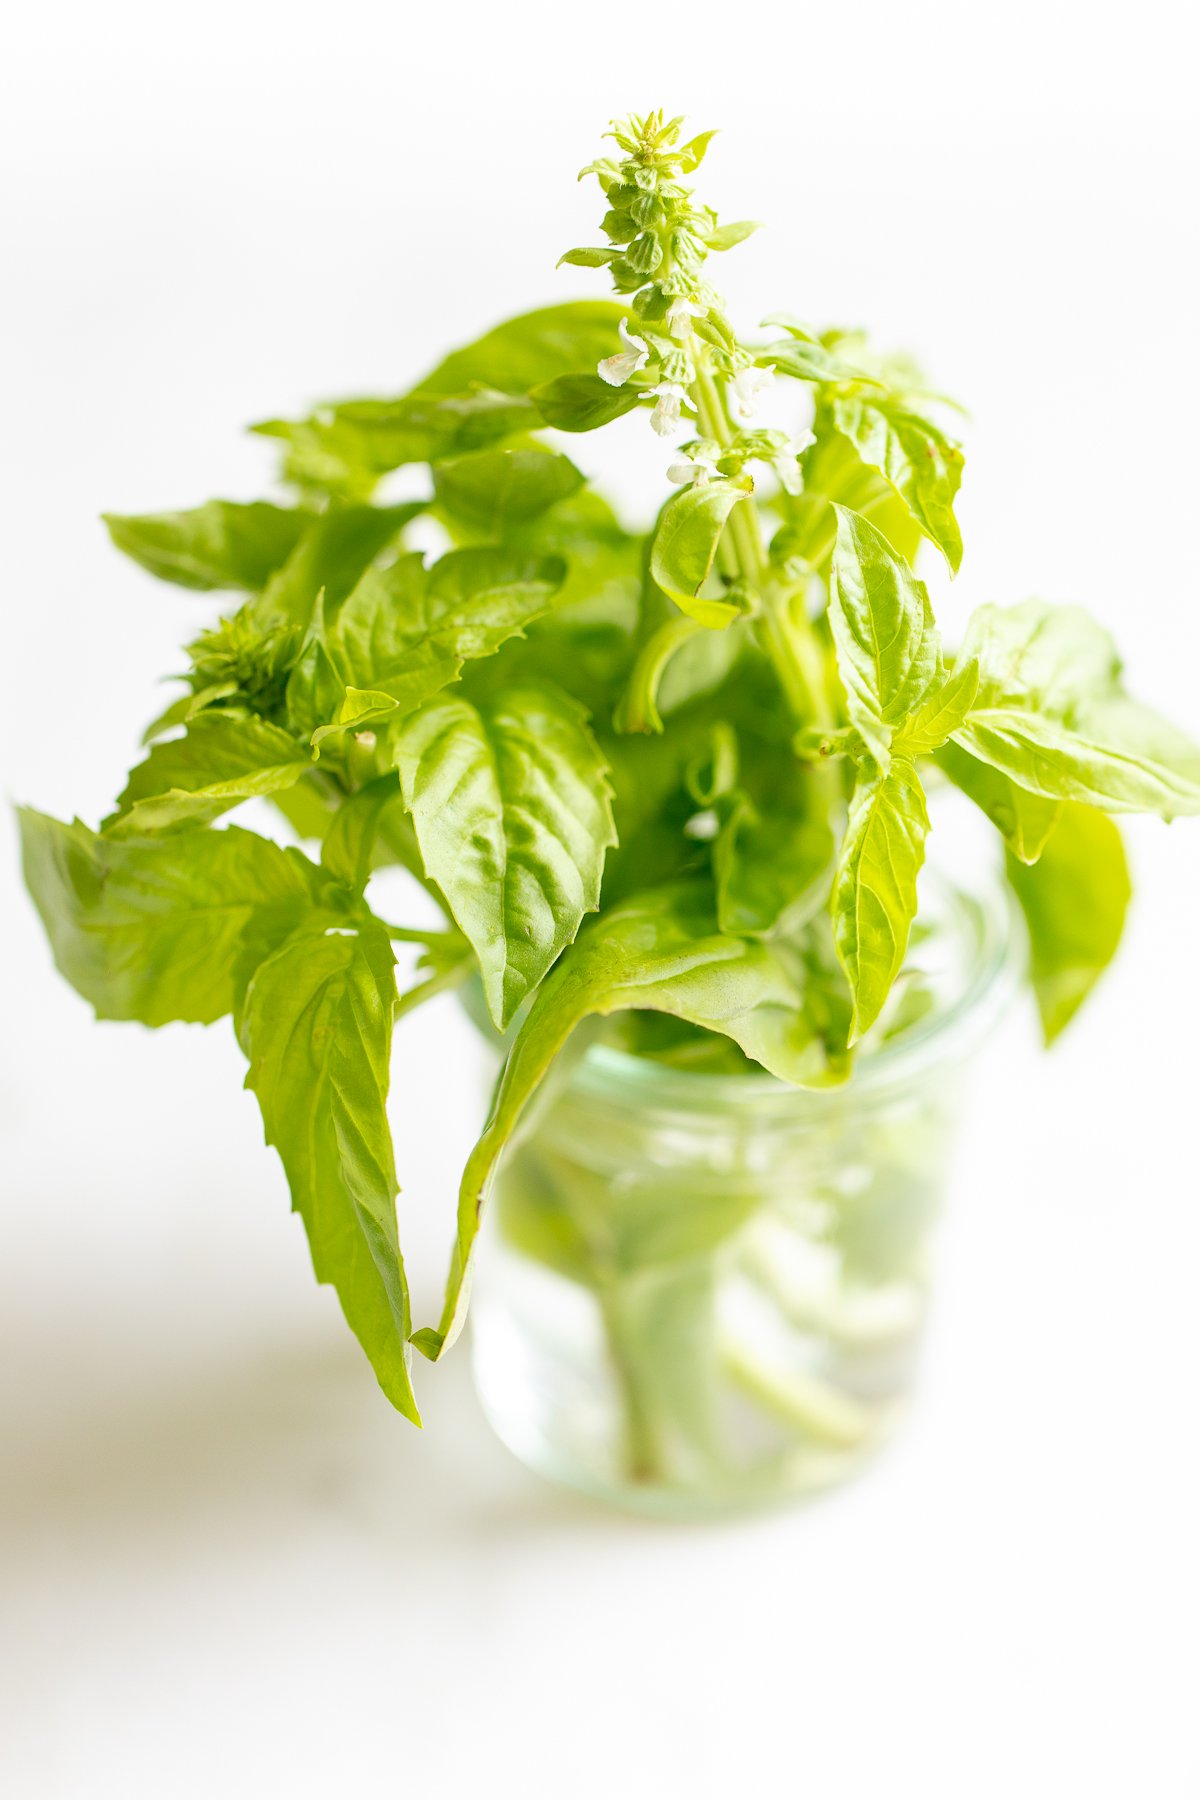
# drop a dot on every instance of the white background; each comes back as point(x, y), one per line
point(228, 1568)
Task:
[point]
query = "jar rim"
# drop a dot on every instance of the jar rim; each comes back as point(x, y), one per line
point(952, 1031)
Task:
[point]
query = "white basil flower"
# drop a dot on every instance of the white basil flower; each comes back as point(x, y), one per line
point(617, 369)
point(680, 314)
point(669, 399)
point(747, 385)
point(787, 463)
point(699, 468)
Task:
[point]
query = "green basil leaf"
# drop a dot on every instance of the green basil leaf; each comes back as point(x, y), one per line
point(329, 559)
point(406, 631)
point(1057, 654)
point(806, 359)
point(426, 670)
point(510, 800)
point(493, 489)
point(586, 258)
point(581, 402)
point(345, 449)
point(685, 547)
point(604, 562)
point(308, 809)
point(220, 545)
point(916, 458)
point(470, 602)
point(692, 153)
point(1024, 820)
point(1052, 714)
point(833, 471)
point(533, 348)
point(154, 928)
point(1074, 902)
point(474, 398)
point(314, 688)
point(736, 232)
point(661, 952)
point(772, 869)
point(221, 760)
point(875, 889)
point(883, 631)
point(316, 1026)
point(942, 712)
point(349, 844)
point(187, 707)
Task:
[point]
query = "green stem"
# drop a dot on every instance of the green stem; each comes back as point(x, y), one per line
point(784, 629)
point(802, 1401)
point(644, 1456)
point(409, 934)
point(637, 709)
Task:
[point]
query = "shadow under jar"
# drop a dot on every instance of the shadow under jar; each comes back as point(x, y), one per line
point(701, 1293)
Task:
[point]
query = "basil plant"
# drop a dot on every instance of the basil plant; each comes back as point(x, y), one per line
point(676, 772)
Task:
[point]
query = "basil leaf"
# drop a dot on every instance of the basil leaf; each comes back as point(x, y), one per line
point(474, 398)
point(916, 458)
point(425, 672)
point(685, 547)
point(1074, 902)
point(511, 804)
point(406, 631)
point(307, 808)
point(692, 153)
point(833, 470)
point(470, 602)
point(586, 258)
point(187, 707)
point(875, 888)
point(1058, 654)
point(314, 688)
point(604, 562)
point(330, 558)
point(221, 760)
point(736, 232)
point(345, 449)
point(660, 952)
point(219, 545)
point(348, 847)
point(807, 359)
point(1052, 714)
point(533, 348)
point(582, 402)
point(772, 870)
point(154, 928)
point(883, 631)
point(493, 489)
point(942, 712)
point(1024, 820)
point(316, 1026)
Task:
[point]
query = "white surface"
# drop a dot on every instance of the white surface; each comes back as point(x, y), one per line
point(229, 1569)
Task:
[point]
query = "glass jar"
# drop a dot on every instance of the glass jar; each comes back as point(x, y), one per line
point(698, 1293)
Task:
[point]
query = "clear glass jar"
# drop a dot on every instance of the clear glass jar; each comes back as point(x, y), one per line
point(698, 1293)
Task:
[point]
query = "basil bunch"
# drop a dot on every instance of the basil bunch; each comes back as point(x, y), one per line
point(716, 736)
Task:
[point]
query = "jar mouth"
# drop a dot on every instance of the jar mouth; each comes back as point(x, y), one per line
point(984, 919)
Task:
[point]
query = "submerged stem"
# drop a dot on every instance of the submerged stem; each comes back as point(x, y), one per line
point(641, 1440)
